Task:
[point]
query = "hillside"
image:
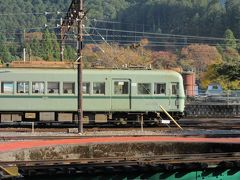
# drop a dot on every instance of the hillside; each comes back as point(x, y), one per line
point(198, 17)
point(194, 35)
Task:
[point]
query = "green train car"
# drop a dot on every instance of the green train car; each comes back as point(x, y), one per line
point(35, 94)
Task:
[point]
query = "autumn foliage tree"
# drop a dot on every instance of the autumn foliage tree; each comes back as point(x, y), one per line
point(113, 56)
point(198, 57)
point(226, 73)
point(164, 59)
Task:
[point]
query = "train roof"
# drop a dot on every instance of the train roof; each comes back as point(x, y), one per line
point(89, 71)
point(37, 71)
point(63, 65)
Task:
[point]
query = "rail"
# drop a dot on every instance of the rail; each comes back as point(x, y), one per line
point(113, 164)
point(210, 158)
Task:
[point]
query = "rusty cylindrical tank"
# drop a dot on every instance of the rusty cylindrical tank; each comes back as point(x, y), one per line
point(189, 81)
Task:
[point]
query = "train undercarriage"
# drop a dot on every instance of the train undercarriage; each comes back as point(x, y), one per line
point(118, 118)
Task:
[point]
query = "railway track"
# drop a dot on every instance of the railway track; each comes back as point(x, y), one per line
point(163, 162)
point(192, 127)
point(56, 136)
point(196, 123)
point(211, 123)
point(211, 158)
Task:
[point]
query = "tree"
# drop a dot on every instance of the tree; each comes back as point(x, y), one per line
point(229, 70)
point(70, 53)
point(5, 55)
point(229, 51)
point(113, 56)
point(105, 9)
point(230, 55)
point(214, 18)
point(178, 17)
point(164, 59)
point(35, 48)
point(47, 46)
point(230, 40)
point(199, 57)
point(56, 46)
point(233, 15)
point(225, 74)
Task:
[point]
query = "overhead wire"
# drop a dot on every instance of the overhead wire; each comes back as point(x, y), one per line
point(112, 22)
point(102, 50)
point(143, 34)
point(163, 40)
point(159, 34)
point(138, 35)
point(124, 42)
point(32, 13)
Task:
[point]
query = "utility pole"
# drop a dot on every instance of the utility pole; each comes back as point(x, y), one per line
point(75, 15)
point(62, 42)
point(80, 68)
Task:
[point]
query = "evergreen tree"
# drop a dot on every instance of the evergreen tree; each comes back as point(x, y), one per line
point(35, 48)
point(233, 15)
point(214, 18)
point(56, 46)
point(70, 53)
point(230, 40)
point(47, 45)
point(5, 55)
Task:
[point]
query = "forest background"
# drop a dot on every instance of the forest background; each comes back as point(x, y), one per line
point(191, 35)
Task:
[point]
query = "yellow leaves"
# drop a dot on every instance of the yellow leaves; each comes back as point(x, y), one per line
point(201, 54)
point(144, 42)
point(211, 76)
point(164, 59)
point(114, 55)
point(199, 57)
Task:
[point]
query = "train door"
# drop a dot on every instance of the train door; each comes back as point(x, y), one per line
point(175, 95)
point(121, 94)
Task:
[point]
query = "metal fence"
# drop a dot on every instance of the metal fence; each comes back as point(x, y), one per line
point(225, 97)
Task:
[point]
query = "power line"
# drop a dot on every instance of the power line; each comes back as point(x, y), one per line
point(151, 43)
point(149, 35)
point(162, 39)
point(31, 13)
point(118, 22)
point(144, 33)
point(158, 34)
point(136, 34)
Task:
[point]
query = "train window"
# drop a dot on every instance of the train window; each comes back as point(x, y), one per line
point(144, 88)
point(69, 88)
point(7, 87)
point(38, 87)
point(120, 87)
point(86, 87)
point(23, 87)
point(174, 88)
point(159, 88)
point(98, 88)
point(53, 87)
